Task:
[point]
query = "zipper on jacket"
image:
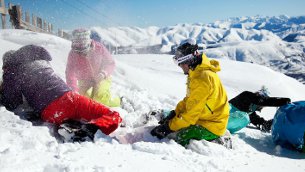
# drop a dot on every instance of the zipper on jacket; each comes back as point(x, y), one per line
point(209, 108)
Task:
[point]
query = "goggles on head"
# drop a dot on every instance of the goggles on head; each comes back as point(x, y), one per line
point(81, 46)
point(179, 58)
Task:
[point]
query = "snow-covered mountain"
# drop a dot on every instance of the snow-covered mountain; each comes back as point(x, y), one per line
point(276, 42)
point(281, 26)
point(146, 82)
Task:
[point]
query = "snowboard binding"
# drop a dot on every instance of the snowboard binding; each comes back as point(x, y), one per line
point(76, 131)
point(224, 140)
point(161, 115)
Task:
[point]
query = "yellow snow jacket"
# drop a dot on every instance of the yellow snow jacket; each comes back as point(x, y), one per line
point(206, 102)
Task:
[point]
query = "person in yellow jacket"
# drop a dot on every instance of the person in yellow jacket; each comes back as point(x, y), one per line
point(204, 112)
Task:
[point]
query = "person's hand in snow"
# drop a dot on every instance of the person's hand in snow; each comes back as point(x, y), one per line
point(166, 117)
point(161, 131)
point(100, 77)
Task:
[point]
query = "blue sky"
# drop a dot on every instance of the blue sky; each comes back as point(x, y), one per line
point(69, 14)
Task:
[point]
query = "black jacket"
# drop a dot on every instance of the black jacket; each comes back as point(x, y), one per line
point(246, 100)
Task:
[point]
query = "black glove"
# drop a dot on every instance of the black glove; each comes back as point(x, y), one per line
point(161, 131)
point(170, 116)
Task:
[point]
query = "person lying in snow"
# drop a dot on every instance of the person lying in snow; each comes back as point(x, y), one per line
point(204, 112)
point(89, 68)
point(244, 107)
point(288, 128)
point(27, 74)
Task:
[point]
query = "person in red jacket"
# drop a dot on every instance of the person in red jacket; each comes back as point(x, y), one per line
point(89, 68)
point(29, 77)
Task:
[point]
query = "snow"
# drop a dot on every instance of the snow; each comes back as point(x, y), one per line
point(146, 82)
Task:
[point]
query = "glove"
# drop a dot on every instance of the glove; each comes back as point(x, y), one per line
point(161, 131)
point(101, 76)
point(170, 116)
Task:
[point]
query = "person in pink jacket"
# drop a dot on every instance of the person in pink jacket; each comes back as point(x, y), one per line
point(89, 68)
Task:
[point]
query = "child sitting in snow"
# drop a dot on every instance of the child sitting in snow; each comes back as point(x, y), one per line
point(204, 112)
point(89, 68)
point(244, 107)
point(27, 74)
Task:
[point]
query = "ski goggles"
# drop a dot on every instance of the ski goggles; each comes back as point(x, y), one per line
point(179, 58)
point(80, 33)
point(81, 46)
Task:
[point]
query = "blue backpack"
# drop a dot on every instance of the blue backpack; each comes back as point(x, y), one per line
point(288, 126)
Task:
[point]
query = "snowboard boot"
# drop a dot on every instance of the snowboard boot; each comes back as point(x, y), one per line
point(260, 122)
point(266, 127)
point(75, 131)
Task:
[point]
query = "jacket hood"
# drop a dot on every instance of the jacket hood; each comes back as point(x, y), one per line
point(26, 54)
point(207, 64)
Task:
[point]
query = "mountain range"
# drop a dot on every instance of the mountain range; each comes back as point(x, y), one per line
point(277, 42)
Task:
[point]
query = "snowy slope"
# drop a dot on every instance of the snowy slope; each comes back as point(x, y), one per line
point(146, 82)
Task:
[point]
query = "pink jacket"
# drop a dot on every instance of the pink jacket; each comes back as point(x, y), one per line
point(80, 67)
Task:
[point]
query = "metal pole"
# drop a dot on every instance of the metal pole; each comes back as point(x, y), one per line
point(3, 14)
